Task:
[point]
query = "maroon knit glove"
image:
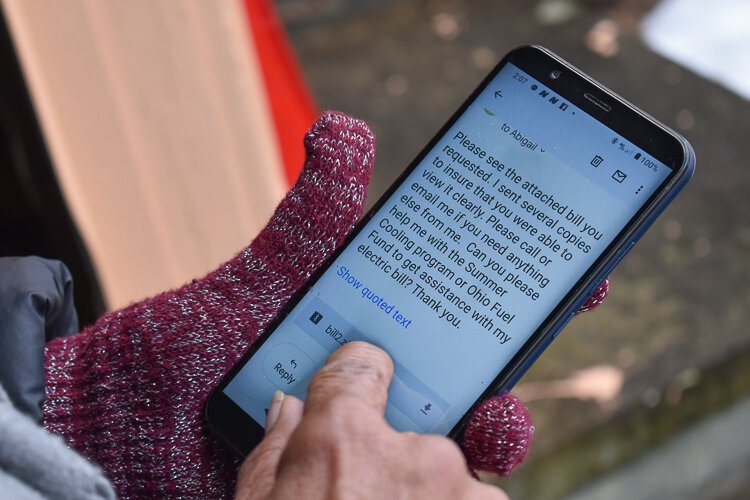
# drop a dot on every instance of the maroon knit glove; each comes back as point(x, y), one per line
point(498, 435)
point(129, 391)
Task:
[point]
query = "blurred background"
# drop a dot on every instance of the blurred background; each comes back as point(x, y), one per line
point(144, 142)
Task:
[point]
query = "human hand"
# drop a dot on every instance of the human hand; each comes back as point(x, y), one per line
point(337, 443)
point(129, 391)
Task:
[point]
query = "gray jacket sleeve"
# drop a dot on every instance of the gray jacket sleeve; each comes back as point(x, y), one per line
point(35, 464)
point(10, 487)
point(36, 305)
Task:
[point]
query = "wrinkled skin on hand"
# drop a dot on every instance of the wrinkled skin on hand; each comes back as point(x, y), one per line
point(337, 444)
point(129, 391)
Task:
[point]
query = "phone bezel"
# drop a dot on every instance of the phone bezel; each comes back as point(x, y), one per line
point(241, 432)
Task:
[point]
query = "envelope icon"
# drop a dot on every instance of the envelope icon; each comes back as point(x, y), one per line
point(619, 176)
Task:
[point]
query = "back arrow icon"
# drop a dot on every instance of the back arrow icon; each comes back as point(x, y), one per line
point(498, 93)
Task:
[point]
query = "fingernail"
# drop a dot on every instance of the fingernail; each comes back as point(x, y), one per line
point(275, 410)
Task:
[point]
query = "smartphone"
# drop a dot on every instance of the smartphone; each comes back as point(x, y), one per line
point(479, 253)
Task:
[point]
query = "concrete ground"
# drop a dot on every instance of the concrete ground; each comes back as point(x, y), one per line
point(709, 460)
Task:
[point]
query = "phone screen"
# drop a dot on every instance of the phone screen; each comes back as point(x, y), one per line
point(467, 257)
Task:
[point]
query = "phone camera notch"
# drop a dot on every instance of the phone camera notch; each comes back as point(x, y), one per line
point(555, 74)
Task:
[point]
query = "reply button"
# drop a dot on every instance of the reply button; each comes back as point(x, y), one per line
point(288, 368)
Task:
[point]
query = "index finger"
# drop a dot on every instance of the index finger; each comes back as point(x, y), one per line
point(358, 370)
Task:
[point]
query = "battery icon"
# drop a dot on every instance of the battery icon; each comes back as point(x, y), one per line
point(638, 156)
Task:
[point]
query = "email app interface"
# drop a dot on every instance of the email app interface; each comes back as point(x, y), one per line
point(468, 256)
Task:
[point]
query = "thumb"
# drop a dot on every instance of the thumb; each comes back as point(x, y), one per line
point(257, 476)
point(325, 202)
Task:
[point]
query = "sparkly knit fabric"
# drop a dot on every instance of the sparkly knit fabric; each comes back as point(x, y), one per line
point(498, 436)
point(499, 432)
point(597, 298)
point(129, 391)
